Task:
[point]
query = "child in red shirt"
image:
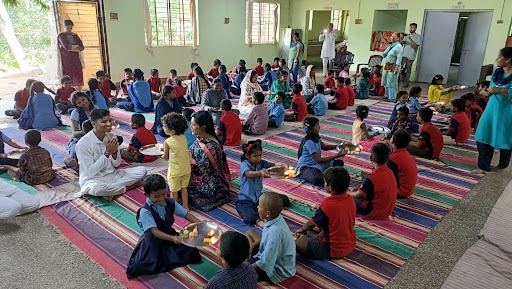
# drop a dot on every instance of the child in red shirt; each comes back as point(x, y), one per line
point(340, 100)
point(172, 75)
point(275, 65)
point(179, 91)
point(230, 127)
point(460, 127)
point(126, 81)
point(259, 66)
point(105, 85)
point(472, 110)
point(20, 100)
point(402, 164)
point(376, 82)
point(191, 74)
point(214, 71)
point(350, 91)
point(155, 83)
point(329, 81)
point(141, 137)
point(376, 196)
point(299, 105)
point(335, 218)
point(430, 142)
point(63, 94)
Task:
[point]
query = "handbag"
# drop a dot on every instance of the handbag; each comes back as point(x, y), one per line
point(389, 66)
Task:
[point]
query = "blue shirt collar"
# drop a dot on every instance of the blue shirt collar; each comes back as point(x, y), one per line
point(150, 203)
point(272, 222)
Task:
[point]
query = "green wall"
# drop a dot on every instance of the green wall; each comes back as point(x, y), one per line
point(127, 45)
point(360, 34)
point(320, 20)
point(390, 20)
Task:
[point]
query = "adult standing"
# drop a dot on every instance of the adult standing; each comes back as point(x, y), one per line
point(70, 46)
point(14, 201)
point(411, 43)
point(210, 177)
point(392, 58)
point(495, 124)
point(295, 56)
point(328, 37)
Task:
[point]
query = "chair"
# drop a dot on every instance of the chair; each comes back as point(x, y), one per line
point(374, 60)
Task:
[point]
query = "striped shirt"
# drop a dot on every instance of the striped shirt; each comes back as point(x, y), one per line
point(243, 276)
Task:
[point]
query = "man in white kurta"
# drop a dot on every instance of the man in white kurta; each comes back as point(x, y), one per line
point(14, 201)
point(98, 173)
point(328, 37)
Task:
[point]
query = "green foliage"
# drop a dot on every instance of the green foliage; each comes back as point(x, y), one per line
point(32, 29)
point(43, 4)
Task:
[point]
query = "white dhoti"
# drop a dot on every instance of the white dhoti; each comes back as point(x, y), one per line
point(113, 184)
point(14, 201)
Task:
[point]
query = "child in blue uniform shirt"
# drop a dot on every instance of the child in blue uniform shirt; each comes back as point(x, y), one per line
point(252, 171)
point(160, 249)
point(274, 250)
point(318, 105)
point(276, 111)
point(414, 106)
point(187, 113)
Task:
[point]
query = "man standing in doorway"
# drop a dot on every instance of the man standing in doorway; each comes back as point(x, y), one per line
point(328, 37)
point(411, 44)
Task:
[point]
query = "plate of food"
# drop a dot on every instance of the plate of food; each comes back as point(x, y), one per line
point(439, 103)
point(200, 234)
point(379, 129)
point(115, 126)
point(152, 150)
point(282, 172)
point(444, 120)
point(349, 148)
point(15, 155)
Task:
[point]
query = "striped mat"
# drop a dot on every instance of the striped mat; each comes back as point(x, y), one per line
point(107, 231)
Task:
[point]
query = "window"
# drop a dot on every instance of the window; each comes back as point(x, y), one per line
point(171, 22)
point(264, 18)
point(336, 16)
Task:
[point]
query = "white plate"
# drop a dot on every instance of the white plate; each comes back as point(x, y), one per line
point(15, 155)
point(151, 150)
point(443, 120)
point(379, 129)
point(207, 234)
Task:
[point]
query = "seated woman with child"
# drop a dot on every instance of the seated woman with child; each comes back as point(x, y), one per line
point(249, 87)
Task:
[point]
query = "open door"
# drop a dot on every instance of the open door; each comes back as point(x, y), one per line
point(437, 41)
point(87, 25)
point(473, 49)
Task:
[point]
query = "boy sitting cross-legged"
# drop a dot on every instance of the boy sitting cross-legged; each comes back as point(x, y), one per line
point(402, 164)
point(335, 218)
point(142, 137)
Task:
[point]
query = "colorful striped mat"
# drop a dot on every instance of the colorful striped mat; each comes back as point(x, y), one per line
point(107, 231)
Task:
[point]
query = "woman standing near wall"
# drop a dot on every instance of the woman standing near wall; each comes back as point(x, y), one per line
point(295, 56)
point(70, 46)
point(392, 58)
point(495, 124)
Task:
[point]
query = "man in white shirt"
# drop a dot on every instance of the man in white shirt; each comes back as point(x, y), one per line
point(328, 37)
point(411, 44)
point(98, 157)
point(14, 201)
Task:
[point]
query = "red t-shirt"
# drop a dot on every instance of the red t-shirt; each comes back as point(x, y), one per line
point(460, 127)
point(336, 217)
point(476, 113)
point(230, 128)
point(379, 191)
point(179, 91)
point(124, 85)
point(143, 137)
point(432, 138)
point(106, 87)
point(169, 81)
point(351, 95)
point(213, 72)
point(406, 173)
point(329, 83)
point(21, 98)
point(275, 66)
point(342, 97)
point(300, 106)
point(190, 75)
point(155, 84)
point(259, 69)
point(64, 94)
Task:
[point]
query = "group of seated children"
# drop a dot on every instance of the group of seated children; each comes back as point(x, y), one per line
point(344, 94)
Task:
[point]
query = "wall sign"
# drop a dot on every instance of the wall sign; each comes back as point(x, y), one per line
point(392, 5)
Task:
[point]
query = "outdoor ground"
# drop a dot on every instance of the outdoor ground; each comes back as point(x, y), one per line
point(33, 254)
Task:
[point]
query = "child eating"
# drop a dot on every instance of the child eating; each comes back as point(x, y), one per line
point(402, 164)
point(276, 111)
point(460, 127)
point(35, 164)
point(430, 142)
point(160, 249)
point(311, 164)
point(299, 105)
point(335, 218)
point(275, 247)
point(230, 128)
point(176, 152)
point(376, 196)
point(252, 171)
point(142, 137)
point(233, 251)
point(257, 121)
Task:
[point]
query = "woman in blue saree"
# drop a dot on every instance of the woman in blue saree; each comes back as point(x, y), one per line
point(295, 56)
point(495, 126)
point(392, 58)
point(166, 104)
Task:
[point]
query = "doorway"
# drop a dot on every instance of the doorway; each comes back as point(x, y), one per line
point(453, 45)
point(88, 19)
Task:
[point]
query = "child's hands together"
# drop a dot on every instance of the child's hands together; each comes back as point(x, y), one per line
point(264, 173)
point(301, 232)
point(176, 240)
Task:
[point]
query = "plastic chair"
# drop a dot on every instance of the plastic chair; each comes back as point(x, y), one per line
point(374, 60)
